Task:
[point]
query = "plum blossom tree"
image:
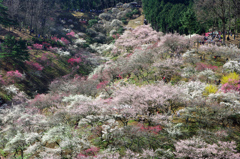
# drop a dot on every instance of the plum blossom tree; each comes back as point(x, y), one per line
point(174, 43)
point(198, 148)
point(232, 66)
point(132, 100)
point(190, 57)
point(208, 74)
point(143, 34)
point(168, 68)
point(192, 89)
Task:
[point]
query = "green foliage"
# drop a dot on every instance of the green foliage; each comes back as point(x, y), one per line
point(15, 50)
point(135, 11)
point(172, 16)
point(120, 30)
point(2, 153)
point(129, 15)
point(92, 22)
point(124, 21)
point(4, 16)
point(189, 20)
point(175, 79)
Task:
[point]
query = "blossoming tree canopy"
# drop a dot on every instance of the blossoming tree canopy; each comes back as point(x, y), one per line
point(143, 34)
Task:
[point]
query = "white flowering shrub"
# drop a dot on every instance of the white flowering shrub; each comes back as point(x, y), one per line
point(208, 74)
point(79, 41)
point(191, 57)
point(73, 99)
point(229, 99)
point(63, 53)
point(192, 89)
point(173, 130)
point(11, 89)
point(232, 66)
point(116, 23)
point(101, 48)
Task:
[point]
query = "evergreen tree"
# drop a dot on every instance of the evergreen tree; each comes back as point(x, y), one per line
point(14, 50)
point(171, 15)
point(4, 16)
point(188, 20)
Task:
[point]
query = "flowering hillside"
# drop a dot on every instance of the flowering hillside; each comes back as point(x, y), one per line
point(153, 95)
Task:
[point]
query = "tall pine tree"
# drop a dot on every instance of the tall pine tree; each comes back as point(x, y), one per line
point(4, 20)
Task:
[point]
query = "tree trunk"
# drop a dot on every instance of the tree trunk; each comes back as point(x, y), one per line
point(224, 31)
point(235, 30)
point(22, 153)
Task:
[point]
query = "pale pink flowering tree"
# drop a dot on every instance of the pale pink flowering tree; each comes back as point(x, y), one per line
point(146, 100)
point(174, 43)
point(143, 34)
point(196, 39)
point(168, 68)
point(231, 51)
point(139, 64)
point(80, 85)
point(42, 101)
point(197, 148)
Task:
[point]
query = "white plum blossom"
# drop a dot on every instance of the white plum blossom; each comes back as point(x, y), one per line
point(191, 57)
point(232, 66)
point(76, 98)
point(80, 41)
point(101, 48)
point(192, 89)
point(208, 74)
point(188, 72)
point(62, 53)
point(11, 89)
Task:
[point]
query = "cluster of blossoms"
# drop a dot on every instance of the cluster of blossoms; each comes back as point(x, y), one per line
point(71, 34)
point(38, 46)
point(54, 39)
point(29, 47)
point(202, 67)
point(35, 65)
point(80, 41)
point(128, 105)
point(116, 36)
point(74, 60)
point(64, 41)
point(11, 89)
point(15, 74)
